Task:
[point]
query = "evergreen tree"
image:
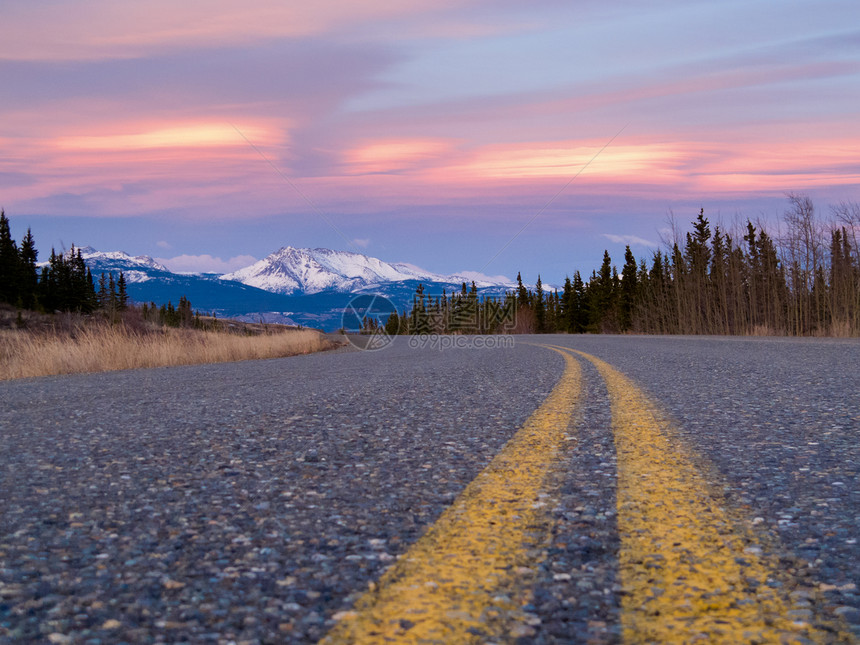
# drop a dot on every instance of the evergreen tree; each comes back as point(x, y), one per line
point(122, 294)
point(697, 251)
point(420, 321)
point(9, 263)
point(553, 317)
point(113, 301)
point(601, 294)
point(843, 279)
point(102, 294)
point(28, 280)
point(718, 314)
point(771, 285)
point(184, 313)
point(522, 293)
point(392, 325)
point(752, 276)
point(473, 309)
point(695, 288)
point(45, 292)
point(539, 308)
point(628, 291)
point(579, 315)
point(567, 306)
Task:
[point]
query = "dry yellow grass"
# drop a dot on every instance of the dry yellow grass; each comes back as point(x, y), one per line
point(102, 349)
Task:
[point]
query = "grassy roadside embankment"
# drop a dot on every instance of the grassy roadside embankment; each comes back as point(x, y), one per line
point(80, 346)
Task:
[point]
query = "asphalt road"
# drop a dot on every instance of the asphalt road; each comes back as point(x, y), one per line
point(258, 501)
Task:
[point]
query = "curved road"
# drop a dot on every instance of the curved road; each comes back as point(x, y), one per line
point(265, 501)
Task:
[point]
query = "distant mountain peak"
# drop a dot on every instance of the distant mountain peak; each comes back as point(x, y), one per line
point(292, 285)
point(135, 268)
point(291, 270)
point(144, 261)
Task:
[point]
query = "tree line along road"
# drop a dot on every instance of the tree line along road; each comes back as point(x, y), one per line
point(563, 489)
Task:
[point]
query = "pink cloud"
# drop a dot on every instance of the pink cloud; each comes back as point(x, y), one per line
point(177, 136)
point(207, 167)
point(660, 162)
point(143, 125)
point(98, 29)
point(395, 155)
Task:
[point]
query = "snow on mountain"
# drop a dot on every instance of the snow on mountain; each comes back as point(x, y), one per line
point(483, 280)
point(135, 268)
point(310, 287)
point(309, 271)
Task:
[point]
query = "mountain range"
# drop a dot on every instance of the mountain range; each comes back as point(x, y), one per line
point(308, 271)
point(309, 287)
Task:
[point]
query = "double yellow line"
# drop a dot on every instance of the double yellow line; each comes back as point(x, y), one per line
point(466, 579)
point(689, 571)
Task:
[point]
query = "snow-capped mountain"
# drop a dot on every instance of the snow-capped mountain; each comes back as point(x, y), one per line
point(311, 287)
point(309, 271)
point(135, 268)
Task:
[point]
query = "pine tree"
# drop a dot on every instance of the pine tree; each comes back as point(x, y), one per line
point(392, 325)
point(579, 316)
point(539, 308)
point(771, 280)
point(184, 313)
point(59, 279)
point(628, 291)
point(522, 293)
point(91, 298)
point(102, 294)
point(554, 316)
point(28, 279)
point(113, 300)
point(567, 306)
point(752, 276)
point(697, 255)
point(473, 309)
point(601, 295)
point(9, 263)
point(122, 294)
point(719, 285)
point(843, 282)
point(45, 292)
point(420, 321)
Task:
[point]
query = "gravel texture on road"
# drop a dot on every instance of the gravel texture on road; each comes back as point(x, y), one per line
point(246, 501)
point(577, 595)
point(252, 502)
point(778, 421)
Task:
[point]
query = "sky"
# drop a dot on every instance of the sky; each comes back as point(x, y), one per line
point(473, 135)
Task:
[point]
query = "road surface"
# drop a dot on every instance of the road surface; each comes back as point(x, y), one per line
point(634, 489)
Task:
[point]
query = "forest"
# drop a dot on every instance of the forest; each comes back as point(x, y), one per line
point(802, 280)
point(66, 284)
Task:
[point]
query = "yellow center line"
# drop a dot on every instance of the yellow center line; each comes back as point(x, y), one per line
point(689, 571)
point(466, 579)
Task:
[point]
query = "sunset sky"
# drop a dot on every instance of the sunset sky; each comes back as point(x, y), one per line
point(209, 134)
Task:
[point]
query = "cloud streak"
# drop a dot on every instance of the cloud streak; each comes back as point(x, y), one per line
point(206, 263)
point(631, 240)
point(102, 29)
